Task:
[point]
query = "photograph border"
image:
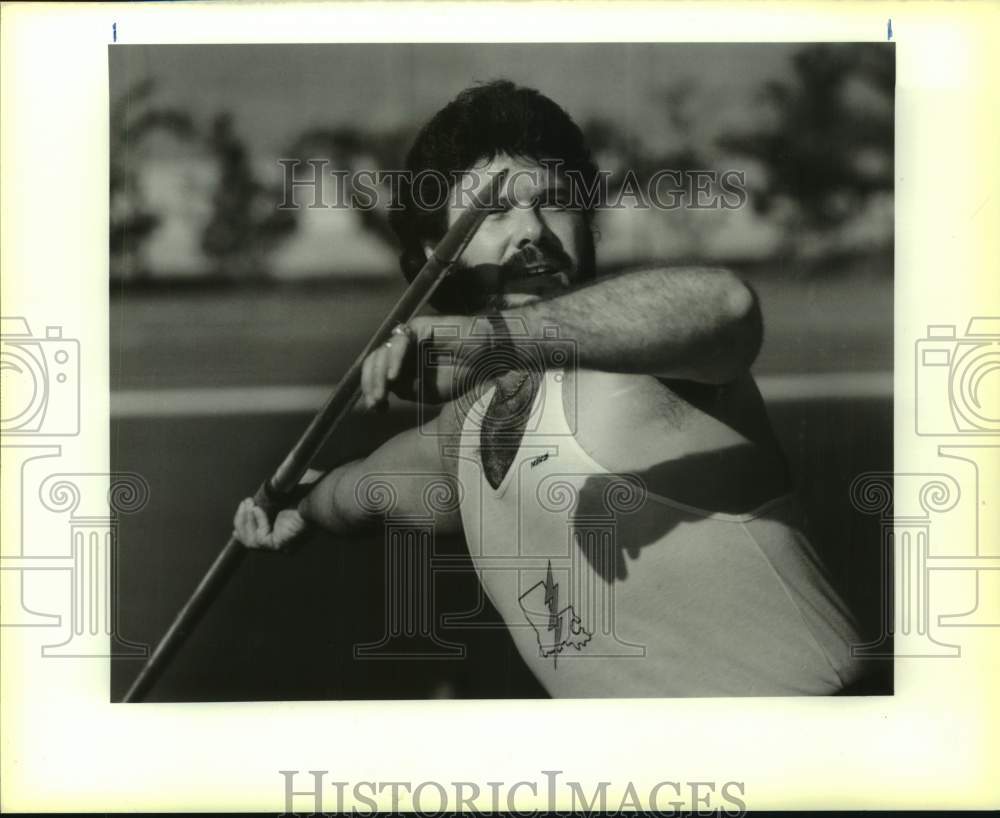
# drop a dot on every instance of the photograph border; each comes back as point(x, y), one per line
point(932, 744)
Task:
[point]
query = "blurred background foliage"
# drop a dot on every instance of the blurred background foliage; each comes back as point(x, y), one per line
point(195, 180)
point(828, 148)
point(133, 120)
point(245, 223)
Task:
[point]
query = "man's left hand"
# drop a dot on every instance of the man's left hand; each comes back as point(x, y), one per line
point(396, 366)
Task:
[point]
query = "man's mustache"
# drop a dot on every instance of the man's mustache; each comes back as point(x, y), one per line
point(532, 257)
point(493, 277)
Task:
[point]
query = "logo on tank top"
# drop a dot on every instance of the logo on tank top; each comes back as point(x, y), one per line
point(555, 629)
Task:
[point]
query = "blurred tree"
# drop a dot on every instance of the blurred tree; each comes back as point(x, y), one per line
point(659, 166)
point(618, 151)
point(245, 222)
point(132, 121)
point(684, 155)
point(352, 149)
point(828, 143)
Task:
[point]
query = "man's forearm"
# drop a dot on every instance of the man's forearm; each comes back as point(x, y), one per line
point(327, 505)
point(698, 324)
point(394, 479)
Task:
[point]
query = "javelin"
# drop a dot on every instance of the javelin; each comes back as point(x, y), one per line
point(274, 492)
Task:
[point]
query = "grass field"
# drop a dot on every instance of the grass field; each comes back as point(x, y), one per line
point(286, 625)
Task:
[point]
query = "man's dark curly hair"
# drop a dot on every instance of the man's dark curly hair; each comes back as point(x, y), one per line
point(481, 122)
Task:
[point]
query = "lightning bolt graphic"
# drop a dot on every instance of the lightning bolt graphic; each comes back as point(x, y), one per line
point(552, 603)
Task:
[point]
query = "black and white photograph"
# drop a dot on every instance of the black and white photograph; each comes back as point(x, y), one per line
point(501, 371)
point(424, 407)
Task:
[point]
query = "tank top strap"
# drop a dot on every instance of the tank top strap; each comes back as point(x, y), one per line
point(553, 416)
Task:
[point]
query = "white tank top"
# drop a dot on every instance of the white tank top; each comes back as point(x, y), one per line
point(610, 590)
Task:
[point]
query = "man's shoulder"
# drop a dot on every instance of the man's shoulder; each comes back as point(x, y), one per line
point(627, 400)
point(681, 435)
point(669, 404)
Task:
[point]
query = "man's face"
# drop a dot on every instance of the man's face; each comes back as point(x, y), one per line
point(535, 246)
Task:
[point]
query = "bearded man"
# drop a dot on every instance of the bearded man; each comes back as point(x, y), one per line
point(624, 500)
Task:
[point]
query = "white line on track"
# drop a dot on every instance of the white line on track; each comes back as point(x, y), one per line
point(258, 400)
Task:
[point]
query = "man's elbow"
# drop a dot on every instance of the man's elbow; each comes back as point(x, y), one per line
point(743, 310)
point(740, 330)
